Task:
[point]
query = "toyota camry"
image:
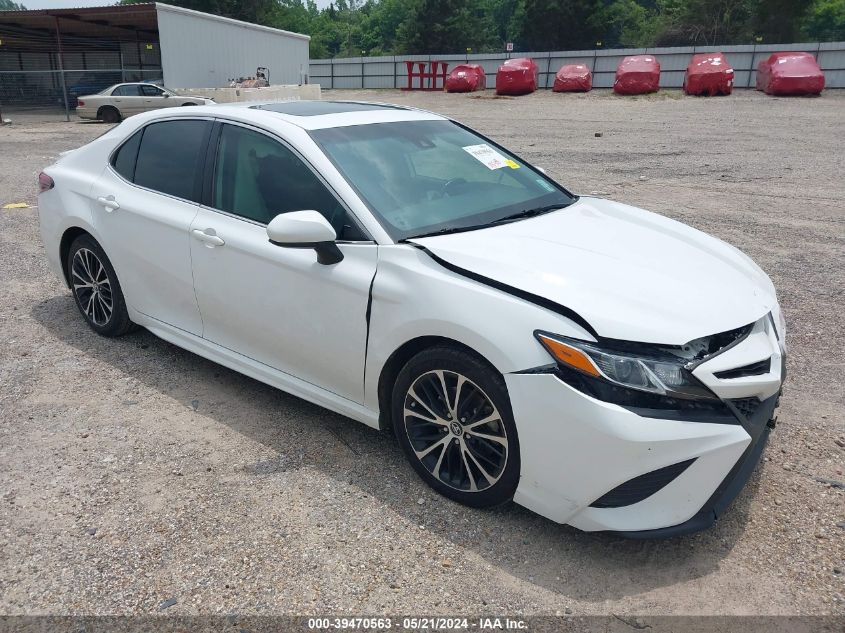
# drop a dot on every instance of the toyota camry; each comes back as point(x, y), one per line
point(601, 365)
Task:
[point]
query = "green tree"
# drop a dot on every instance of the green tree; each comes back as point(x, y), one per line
point(559, 24)
point(8, 5)
point(779, 20)
point(626, 23)
point(445, 26)
point(710, 22)
point(825, 21)
point(383, 27)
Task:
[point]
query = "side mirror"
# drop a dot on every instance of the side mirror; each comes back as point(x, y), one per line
point(165, 95)
point(306, 229)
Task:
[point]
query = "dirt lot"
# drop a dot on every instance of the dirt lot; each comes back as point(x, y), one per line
point(133, 473)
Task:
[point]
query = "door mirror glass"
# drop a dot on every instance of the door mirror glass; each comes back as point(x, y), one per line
point(306, 229)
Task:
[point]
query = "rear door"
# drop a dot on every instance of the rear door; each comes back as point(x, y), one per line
point(144, 204)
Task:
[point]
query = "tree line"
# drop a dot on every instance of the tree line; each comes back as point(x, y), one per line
point(349, 28)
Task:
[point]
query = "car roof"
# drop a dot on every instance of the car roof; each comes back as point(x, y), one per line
point(308, 115)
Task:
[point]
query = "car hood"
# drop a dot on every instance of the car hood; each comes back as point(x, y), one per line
point(631, 274)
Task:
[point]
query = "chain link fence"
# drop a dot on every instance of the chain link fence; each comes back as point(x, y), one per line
point(42, 70)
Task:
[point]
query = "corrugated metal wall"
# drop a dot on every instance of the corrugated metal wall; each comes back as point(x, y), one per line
point(202, 51)
point(390, 72)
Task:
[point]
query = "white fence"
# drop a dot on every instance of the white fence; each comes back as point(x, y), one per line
point(391, 72)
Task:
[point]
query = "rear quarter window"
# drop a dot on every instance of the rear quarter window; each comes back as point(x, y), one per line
point(124, 158)
point(169, 157)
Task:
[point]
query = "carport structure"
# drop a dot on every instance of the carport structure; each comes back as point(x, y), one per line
point(49, 57)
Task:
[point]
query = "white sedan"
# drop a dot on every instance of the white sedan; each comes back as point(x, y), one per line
point(601, 365)
point(117, 102)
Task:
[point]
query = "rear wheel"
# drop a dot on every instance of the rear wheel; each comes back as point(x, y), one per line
point(452, 416)
point(110, 115)
point(96, 289)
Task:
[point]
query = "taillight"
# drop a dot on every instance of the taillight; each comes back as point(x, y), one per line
point(82, 103)
point(45, 183)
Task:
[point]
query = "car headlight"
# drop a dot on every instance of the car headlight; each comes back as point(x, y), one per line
point(642, 368)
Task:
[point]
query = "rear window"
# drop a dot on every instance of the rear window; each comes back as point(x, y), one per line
point(169, 157)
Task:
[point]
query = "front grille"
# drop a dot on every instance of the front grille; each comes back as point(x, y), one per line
point(746, 406)
point(640, 488)
point(754, 369)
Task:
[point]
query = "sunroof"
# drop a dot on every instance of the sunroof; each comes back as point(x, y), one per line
point(316, 108)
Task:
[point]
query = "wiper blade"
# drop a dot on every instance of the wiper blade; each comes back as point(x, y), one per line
point(448, 230)
point(529, 213)
point(525, 213)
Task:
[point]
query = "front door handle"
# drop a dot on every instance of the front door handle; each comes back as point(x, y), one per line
point(109, 203)
point(209, 236)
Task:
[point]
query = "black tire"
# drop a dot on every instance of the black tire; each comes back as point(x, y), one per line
point(110, 115)
point(86, 260)
point(465, 459)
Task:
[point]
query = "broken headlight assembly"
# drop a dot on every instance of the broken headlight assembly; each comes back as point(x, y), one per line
point(642, 377)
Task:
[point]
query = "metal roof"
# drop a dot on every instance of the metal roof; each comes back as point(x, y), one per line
point(114, 22)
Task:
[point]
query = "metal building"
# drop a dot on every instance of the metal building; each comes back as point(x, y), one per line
point(50, 57)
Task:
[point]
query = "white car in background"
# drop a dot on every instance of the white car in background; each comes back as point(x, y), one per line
point(117, 102)
point(601, 365)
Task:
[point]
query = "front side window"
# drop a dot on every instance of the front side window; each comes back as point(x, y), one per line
point(257, 177)
point(421, 177)
point(169, 157)
point(151, 91)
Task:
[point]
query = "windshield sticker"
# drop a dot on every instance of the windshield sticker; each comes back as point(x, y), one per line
point(487, 156)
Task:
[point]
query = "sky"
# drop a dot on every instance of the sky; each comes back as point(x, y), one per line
point(61, 4)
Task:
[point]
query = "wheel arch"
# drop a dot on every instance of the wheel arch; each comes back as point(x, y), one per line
point(69, 235)
point(405, 352)
point(104, 108)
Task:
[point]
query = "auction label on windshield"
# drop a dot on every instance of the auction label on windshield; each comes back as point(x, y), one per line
point(489, 157)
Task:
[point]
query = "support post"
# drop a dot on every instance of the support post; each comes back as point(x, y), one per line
point(62, 68)
point(751, 69)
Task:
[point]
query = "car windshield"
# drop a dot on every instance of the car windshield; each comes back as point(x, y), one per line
point(429, 177)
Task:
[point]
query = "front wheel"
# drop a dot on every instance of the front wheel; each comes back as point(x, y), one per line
point(452, 417)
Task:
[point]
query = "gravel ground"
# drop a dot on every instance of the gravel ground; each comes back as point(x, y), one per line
point(138, 477)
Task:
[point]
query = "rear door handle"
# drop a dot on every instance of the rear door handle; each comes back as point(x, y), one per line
point(109, 203)
point(209, 236)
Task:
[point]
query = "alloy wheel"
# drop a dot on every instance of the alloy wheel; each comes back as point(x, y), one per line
point(92, 287)
point(455, 431)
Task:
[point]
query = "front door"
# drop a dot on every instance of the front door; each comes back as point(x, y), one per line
point(143, 206)
point(273, 304)
point(127, 98)
point(154, 98)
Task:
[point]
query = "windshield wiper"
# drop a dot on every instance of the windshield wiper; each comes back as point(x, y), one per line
point(529, 213)
point(448, 230)
point(520, 215)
